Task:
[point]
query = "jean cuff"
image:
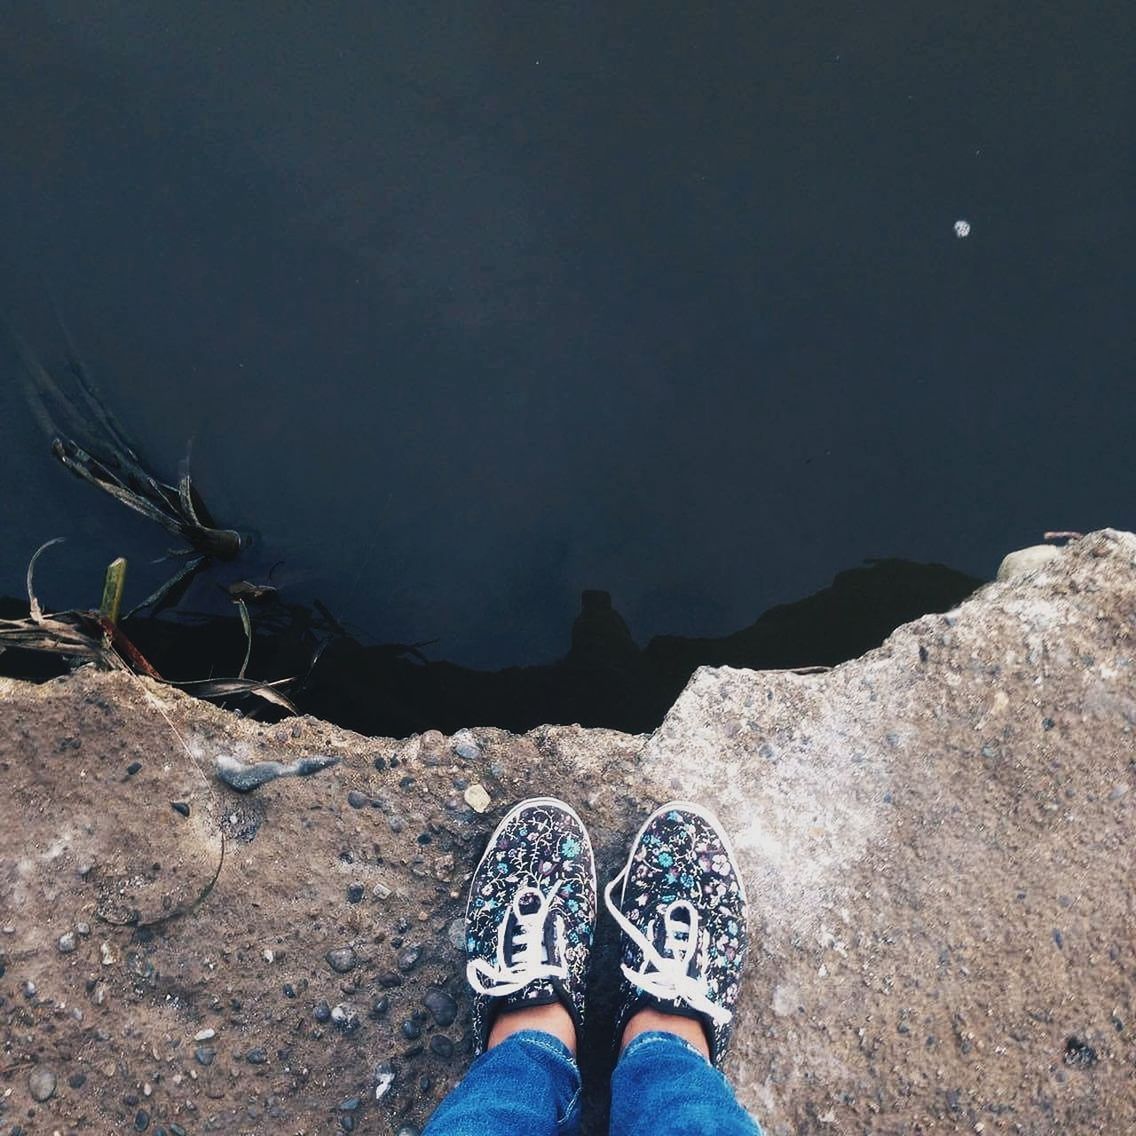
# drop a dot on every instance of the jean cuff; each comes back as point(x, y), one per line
point(554, 1050)
point(658, 1037)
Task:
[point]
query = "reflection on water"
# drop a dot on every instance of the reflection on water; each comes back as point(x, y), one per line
point(605, 679)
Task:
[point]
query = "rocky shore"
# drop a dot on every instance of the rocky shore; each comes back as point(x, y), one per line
point(937, 840)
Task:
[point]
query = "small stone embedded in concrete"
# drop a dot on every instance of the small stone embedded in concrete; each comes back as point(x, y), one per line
point(344, 1017)
point(341, 959)
point(456, 933)
point(204, 1054)
point(441, 1046)
point(389, 979)
point(205, 1035)
point(408, 958)
point(443, 1009)
point(107, 953)
point(411, 1030)
point(77, 1080)
point(348, 1104)
point(468, 750)
point(477, 798)
point(383, 1078)
point(83, 929)
point(259, 1055)
point(245, 778)
point(379, 1007)
point(41, 1083)
point(141, 1120)
point(181, 807)
point(67, 942)
point(357, 800)
point(381, 891)
point(322, 1011)
point(354, 893)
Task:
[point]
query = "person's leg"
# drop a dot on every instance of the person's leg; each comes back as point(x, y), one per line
point(682, 911)
point(527, 1084)
point(529, 922)
point(662, 1086)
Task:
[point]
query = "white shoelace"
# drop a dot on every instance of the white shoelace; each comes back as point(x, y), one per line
point(527, 949)
point(667, 975)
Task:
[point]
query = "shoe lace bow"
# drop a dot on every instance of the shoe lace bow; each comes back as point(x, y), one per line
point(522, 956)
point(673, 972)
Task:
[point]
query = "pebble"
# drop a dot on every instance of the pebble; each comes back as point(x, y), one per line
point(205, 1035)
point(83, 929)
point(322, 1012)
point(345, 1018)
point(441, 1046)
point(468, 751)
point(29, 988)
point(77, 1080)
point(41, 1083)
point(67, 942)
point(386, 981)
point(133, 767)
point(411, 1030)
point(408, 958)
point(358, 800)
point(341, 959)
point(354, 893)
point(456, 933)
point(407, 1130)
point(141, 1120)
point(381, 891)
point(443, 1009)
point(379, 1007)
point(245, 778)
point(259, 1055)
point(477, 798)
point(383, 1078)
point(181, 807)
point(397, 824)
point(107, 953)
point(205, 1054)
point(348, 1104)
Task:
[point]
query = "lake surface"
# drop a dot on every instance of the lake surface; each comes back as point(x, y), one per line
point(469, 308)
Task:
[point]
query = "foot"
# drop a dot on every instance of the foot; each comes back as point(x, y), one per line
point(682, 911)
point(529, 923)
point(553, 1019)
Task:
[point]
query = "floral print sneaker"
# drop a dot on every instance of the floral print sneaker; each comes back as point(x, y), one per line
point(531, 914)
point(682, 911)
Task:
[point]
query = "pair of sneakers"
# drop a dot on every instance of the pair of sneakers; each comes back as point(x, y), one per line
point(681, 911)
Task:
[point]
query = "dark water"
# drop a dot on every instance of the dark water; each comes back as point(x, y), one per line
point(469, 308)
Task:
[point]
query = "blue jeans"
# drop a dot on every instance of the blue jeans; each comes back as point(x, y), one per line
point(529, 1086)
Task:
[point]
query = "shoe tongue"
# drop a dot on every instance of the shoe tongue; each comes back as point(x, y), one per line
point(677, 944)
